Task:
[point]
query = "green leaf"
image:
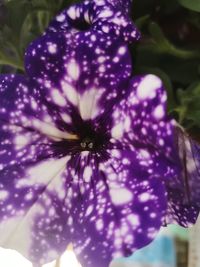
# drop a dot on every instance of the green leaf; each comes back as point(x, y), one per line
point(27, 35)
point(53, 6)
point(5, 60)
point(194, 19)
point(34, 25)
point(165, 46)
point(183, 72)
point(17, 12)
point(140, 22)
point(191, 4)
point(43, 18)
point(189, 108)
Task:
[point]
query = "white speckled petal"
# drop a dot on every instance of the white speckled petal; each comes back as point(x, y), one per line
point(141, 123)
point(141, 116)
point(184, 191)
point(106, 16)
point(121, 212)
point(31, 169)
point(76, 77)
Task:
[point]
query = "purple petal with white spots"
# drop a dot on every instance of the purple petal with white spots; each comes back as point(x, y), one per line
point(71, 176)
point(109, 17)
point(53, 182)
point(189, 151)
point(183, 193)
point(180, 210)
point(76, 77)
point(125, 6)
point(33, 218)
point(121, 207)
point(141, 122)
point(141, 117)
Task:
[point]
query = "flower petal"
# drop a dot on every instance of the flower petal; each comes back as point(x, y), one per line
point(29, 163)
point(141, 120)
point(25, 106)
point(32, 218)
point(110, 17)
point(183, 194)
point(77, 77)
point(121, 209)
point(121, 4)
point(189, 151)
point(180, 210)
point(141, 116)
point(32, 211)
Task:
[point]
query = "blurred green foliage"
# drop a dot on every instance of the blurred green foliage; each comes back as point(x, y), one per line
point(169, 47)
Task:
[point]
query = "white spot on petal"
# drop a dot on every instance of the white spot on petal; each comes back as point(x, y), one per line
point(105, 29)
point(144, 197)
point(70, 93)
point(66, 118)
point(89, 210)
point(42, 173)
point(118, 131)
point(148, 87)
point(144, 154)
point(134, 220)
point(99, 225)
point(159, 112)
point(122, 50)
point(87, 174)
point(50, 130)
point(105, 14)
point(93, 38)
point(58, 98)
point(88, 104)
point(52, 48)
point(73, 70)
point(21, 141)
point(60, 18)
point(72, 12)
point(120, 196)
point(3, 194)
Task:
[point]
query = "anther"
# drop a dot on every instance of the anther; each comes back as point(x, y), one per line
point(87, 144)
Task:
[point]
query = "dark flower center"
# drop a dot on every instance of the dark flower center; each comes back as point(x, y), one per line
point(87, 139)
point(92, 141)
point(80, 25)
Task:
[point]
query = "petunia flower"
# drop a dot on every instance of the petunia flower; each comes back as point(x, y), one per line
point(88, 155)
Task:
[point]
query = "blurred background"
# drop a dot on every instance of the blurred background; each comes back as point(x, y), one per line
point(169, 48)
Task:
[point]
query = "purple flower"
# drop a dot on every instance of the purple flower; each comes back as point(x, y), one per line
point(88, 155)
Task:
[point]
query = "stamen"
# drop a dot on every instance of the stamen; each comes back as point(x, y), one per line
point(91, 145)
point(87, 143)
point(83, 145)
